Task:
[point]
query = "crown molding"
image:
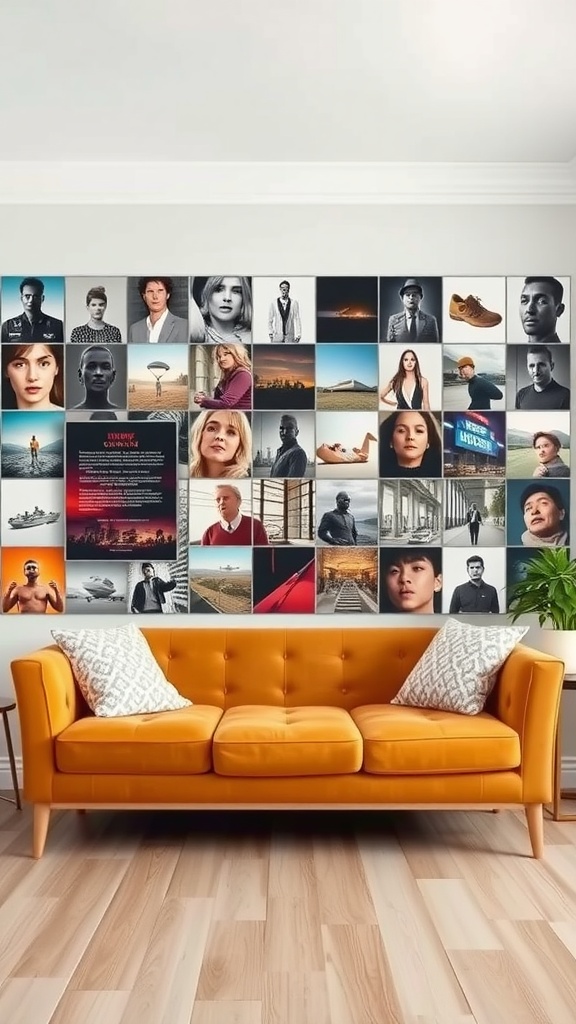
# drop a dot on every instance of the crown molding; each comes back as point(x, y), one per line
point(268, 183)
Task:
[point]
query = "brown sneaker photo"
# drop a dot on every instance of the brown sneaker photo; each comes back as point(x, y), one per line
point(472, 312)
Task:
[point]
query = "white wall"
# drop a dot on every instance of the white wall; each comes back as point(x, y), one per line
point(298, 240)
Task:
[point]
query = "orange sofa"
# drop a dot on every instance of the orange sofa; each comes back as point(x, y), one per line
point(292, 718)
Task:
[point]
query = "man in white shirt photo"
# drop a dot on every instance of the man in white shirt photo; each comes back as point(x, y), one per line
point(284, 317)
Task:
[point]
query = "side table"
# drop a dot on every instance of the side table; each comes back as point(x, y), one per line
point(560, 794)
point(7, 705)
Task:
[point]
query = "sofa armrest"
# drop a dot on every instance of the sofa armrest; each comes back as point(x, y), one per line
point(527, 698)
point(48, 702)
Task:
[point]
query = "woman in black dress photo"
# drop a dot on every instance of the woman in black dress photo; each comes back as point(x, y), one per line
point(408, 389)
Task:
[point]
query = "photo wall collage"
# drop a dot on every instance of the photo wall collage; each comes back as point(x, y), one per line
point(236, 445)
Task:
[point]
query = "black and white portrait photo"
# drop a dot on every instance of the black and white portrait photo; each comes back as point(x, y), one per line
point(284, 310)
point(538, 377)
point(474, 581)
point(96, 377)
point(220, 310)
point(410, 309)
point(538, 310)
point(96, 310)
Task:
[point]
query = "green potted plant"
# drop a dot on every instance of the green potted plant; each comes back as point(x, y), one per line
point(548, 589)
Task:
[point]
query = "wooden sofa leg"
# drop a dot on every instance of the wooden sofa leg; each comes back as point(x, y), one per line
point(535, 819)
point(41, 822)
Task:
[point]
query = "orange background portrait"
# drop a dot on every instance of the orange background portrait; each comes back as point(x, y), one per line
point(50, 560)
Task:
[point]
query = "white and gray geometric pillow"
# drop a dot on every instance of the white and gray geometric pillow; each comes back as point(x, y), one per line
point(117, 672)
point(458, 669)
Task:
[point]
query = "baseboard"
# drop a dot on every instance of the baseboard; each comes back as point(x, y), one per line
point(5, 776)
point(568, 772)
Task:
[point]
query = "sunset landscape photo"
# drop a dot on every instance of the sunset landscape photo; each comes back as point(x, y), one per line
point(284, 378)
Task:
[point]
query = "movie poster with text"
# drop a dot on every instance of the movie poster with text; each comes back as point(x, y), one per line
point(121, 494)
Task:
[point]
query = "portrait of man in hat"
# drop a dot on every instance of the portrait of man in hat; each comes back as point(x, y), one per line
point(411, 325)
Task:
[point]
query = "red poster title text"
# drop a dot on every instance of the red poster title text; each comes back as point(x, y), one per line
point(116, 440)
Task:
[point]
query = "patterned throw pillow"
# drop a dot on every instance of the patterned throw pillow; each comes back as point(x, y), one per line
point(458, 669)
point(117, 672)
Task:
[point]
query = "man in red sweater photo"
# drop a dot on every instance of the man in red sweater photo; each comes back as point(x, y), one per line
point(233, 528)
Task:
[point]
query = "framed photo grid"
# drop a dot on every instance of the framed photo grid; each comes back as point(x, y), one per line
point(280, 444)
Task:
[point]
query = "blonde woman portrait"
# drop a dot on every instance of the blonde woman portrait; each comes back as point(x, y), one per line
point(407, 389)
point(222, 313)
point(32, 377)
point(220, 445)
point(234, 388)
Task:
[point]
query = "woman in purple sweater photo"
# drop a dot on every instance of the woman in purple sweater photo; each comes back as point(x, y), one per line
point(234, 389)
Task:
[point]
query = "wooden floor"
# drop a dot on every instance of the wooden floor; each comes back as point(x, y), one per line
point(412, 917)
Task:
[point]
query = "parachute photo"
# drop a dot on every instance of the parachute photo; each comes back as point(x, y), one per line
point(158, 368)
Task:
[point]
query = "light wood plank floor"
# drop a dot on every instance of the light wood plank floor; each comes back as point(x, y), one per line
point(174, 918)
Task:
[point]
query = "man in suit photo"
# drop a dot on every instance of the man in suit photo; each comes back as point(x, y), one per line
point(412, 325)
point(474, 520)
point(284, 324)
point(160, 326)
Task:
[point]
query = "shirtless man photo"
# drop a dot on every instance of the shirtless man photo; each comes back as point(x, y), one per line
point(32, 596)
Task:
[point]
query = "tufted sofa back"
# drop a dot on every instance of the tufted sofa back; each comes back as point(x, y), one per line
point(288, 667)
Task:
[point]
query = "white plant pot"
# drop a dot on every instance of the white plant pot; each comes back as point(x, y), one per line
point(562, 644)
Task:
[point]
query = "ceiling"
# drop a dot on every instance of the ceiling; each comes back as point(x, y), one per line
point(301, 81)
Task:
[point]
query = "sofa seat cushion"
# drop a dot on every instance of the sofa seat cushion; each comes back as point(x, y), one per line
point(259, 740)
point(165, 742)
point(418, 741)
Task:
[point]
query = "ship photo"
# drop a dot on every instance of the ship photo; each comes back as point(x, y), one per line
point(24, 520)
